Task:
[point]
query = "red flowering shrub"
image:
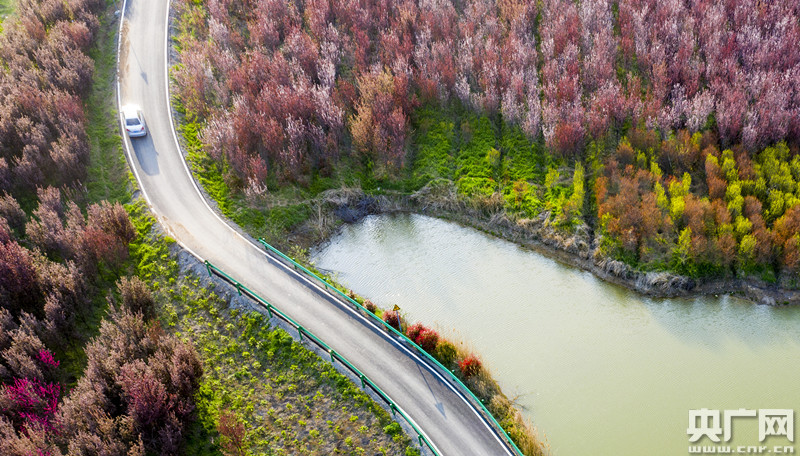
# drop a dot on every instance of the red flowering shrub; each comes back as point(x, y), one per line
point(35, 402)
point(470, 366)
point(428, 339)
point(425, 337)
point(414, 330)
point(47, 358)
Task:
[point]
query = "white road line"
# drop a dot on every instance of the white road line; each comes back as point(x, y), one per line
point(126, 141)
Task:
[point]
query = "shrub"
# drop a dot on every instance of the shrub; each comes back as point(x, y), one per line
point(392, 429)
point(470, 366)
point(233, 435)
point(446, 353)
point(369, 305)
point(428, 339)
point(136, 296)
point(476, 186)
point(392, 318)
point(414, 331)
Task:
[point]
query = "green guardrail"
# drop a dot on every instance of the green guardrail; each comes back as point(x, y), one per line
point(328, 286)
point(301, 331)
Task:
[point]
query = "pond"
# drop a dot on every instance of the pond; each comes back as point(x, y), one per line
point(599, 369)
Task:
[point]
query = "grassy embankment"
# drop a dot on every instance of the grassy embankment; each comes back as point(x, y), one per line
point(290, 401)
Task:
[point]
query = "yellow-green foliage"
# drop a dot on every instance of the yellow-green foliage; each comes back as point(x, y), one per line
point(729, 166)
point(493, 159)
point(478, 139)
point(481, 162)
point(689, 231)
point(433, 158)
point(476, 186)
point(7, 7)
point(551, 178)
point(578, 192)
point(682, 253)
point(661, 196)
point(521, 197)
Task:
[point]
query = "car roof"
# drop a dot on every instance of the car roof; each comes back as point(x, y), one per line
point(130, 112)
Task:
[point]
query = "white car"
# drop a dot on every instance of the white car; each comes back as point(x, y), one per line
point(134, 121)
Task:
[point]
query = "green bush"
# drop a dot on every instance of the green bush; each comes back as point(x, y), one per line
point(476, 186)
point(446, 353)
point(520, 198)
point(393, 429)
point(434, 140)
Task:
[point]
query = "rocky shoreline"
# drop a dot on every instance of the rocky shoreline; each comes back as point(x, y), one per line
point(578, 250)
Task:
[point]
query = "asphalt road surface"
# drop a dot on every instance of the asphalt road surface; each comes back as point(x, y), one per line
point(439, 410)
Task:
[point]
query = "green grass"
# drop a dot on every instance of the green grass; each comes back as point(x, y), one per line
point(280, 389)
point(7, 7)
point(434, 143)
point(522, 159)
point(477, 141)
point(108, 173)
point(482, 157)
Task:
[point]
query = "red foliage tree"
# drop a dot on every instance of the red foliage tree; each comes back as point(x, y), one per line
point(136, 296)
point(233, 434)
point(19, 285)
point(108, 232)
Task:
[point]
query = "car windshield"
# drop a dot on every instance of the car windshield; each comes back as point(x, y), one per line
point(133, 121)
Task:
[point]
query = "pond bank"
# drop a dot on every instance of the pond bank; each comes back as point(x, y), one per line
point(578, 250)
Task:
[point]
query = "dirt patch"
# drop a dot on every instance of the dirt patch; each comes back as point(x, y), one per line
point(124, 50)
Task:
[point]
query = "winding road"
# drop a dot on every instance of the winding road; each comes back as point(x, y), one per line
point(446, 418)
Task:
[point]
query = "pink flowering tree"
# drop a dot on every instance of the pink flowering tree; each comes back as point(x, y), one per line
point(34, 401)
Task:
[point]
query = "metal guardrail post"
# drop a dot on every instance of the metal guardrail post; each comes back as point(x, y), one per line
point(208, 267)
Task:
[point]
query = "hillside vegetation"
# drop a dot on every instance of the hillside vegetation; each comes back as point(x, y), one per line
point(571, 113)
point(84, 367)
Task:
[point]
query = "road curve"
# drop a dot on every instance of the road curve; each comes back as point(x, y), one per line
point(447, 419)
